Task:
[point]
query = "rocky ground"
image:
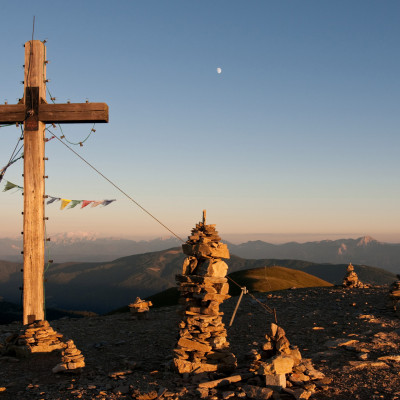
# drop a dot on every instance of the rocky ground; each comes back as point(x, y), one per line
point(349, 335)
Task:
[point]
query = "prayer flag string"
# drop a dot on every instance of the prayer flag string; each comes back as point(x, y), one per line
point(65, 203)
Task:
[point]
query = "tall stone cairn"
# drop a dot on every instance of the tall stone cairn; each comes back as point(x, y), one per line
point(351, 279)
point(202, 346)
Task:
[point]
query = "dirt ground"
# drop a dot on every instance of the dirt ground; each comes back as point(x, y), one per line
point(350, 335)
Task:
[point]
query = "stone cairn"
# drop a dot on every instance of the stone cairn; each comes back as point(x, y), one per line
point(139, 308)
point(40, 337)
point(282, 368)
point(202, 346)
point(351, 279)
point(71, 358)
point(394, 295)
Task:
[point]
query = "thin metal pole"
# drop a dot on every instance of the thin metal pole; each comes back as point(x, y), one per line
point(244, 291)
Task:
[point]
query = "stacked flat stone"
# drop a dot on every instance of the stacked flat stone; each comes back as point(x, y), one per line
point(276, 358)
point(139, 308)
point(351, 279)
point(394, 294)
point(202, 346)
point(71, 358)
point(282, 366)
point(38, 337)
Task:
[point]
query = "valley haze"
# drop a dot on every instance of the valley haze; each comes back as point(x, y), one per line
point(104, 286)
point(87, 247)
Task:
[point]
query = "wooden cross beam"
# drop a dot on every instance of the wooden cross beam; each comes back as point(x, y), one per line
point(34, 112)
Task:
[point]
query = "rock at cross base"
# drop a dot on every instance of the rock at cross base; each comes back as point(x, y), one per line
point(38, 337)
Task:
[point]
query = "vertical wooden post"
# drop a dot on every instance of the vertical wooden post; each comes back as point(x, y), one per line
point(34, 188)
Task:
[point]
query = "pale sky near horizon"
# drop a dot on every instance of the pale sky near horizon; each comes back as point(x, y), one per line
point(298, 134)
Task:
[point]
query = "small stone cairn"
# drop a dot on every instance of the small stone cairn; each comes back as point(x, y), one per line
point(139, 308)
point(282, 367)
point(394, 295)
point(351, 279)
point(40, 337)
point(71, 358)
point(202, 346)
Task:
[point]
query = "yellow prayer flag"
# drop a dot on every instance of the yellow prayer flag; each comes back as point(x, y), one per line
point(64, 203)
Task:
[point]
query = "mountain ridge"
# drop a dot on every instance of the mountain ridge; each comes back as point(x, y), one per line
point(104, 286)
point(86, 247)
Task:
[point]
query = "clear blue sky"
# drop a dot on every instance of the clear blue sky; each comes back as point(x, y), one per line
point(298, 134)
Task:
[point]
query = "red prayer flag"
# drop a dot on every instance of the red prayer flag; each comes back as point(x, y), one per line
point(86, 203)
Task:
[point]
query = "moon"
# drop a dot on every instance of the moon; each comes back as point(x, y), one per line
point(219, 70)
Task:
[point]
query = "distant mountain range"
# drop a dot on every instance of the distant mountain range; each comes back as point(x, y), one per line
point(87, 247)
point(364, 250)
point(83, 247)
point(105, 286)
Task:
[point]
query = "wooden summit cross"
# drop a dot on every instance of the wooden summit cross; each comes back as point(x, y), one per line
point(34, 112)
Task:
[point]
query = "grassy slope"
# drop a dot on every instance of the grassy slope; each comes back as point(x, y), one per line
point(101, 287)
point(256, 280)
point(268, 279)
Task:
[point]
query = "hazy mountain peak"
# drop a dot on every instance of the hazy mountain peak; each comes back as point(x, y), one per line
point(342, 249)
point(365, 241)
point(71, 237)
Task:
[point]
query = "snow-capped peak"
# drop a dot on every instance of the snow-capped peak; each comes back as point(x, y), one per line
point(342, 249)
point(72, 237)
point(365, 241)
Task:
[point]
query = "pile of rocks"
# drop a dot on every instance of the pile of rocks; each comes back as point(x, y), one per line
point(71, 358)
point(351, 279)
point(394, 294)
point(202, 346)
point(38, 337)
point(282, 367)
point(139, 308)
point(275, 359)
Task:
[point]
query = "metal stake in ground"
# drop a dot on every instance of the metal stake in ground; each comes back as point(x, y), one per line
point(34, 112)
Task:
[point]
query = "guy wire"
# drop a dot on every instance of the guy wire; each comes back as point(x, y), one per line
point(118, 188)
point(14, 154)
point(264, 306)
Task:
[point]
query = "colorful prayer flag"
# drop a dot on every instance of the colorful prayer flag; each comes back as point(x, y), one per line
point(86, 203)
point(53, 199)
point(107, 202)
point(10, 185)
point(74, 203)
point(64, 203)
